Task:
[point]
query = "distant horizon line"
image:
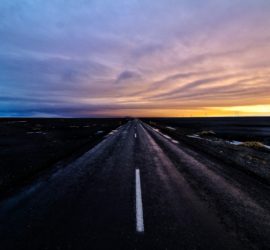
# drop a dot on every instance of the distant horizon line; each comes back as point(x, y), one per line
point(131, 117)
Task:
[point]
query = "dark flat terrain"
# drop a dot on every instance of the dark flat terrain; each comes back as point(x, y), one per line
point(189, 200)
point(29, 146)
point(240, 142)
point(231, 128)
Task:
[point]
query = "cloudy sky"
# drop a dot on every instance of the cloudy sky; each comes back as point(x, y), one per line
point(134, 57)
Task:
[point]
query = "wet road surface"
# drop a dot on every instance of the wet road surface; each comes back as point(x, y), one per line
point(138, 189)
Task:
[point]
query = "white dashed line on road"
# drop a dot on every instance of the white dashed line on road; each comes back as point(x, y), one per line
point(139, 205)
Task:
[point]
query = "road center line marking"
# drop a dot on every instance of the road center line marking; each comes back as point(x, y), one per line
point(139, 206)
point(135, 135)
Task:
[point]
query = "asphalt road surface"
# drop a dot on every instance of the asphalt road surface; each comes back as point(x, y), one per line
point(139, 189)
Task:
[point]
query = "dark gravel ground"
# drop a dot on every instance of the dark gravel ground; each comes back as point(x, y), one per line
point(30, 146)
point(229, 128)
point(253, 161)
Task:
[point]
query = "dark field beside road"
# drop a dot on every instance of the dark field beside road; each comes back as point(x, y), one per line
point(30, 146)
point(230, 128)
point(240, 142)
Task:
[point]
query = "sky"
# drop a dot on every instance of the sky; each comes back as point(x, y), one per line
point(99, 58)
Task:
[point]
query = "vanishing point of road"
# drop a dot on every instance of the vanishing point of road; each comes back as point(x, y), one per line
point(139, 189)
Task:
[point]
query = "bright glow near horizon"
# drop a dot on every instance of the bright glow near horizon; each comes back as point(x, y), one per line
point(134, 58)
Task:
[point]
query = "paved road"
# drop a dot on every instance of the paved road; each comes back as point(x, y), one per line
point(139, 189)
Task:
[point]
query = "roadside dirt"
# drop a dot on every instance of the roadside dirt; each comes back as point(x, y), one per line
point(30, 146)
point(254, 161)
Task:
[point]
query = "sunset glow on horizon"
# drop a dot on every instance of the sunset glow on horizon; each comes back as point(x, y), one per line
point(159, 58)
